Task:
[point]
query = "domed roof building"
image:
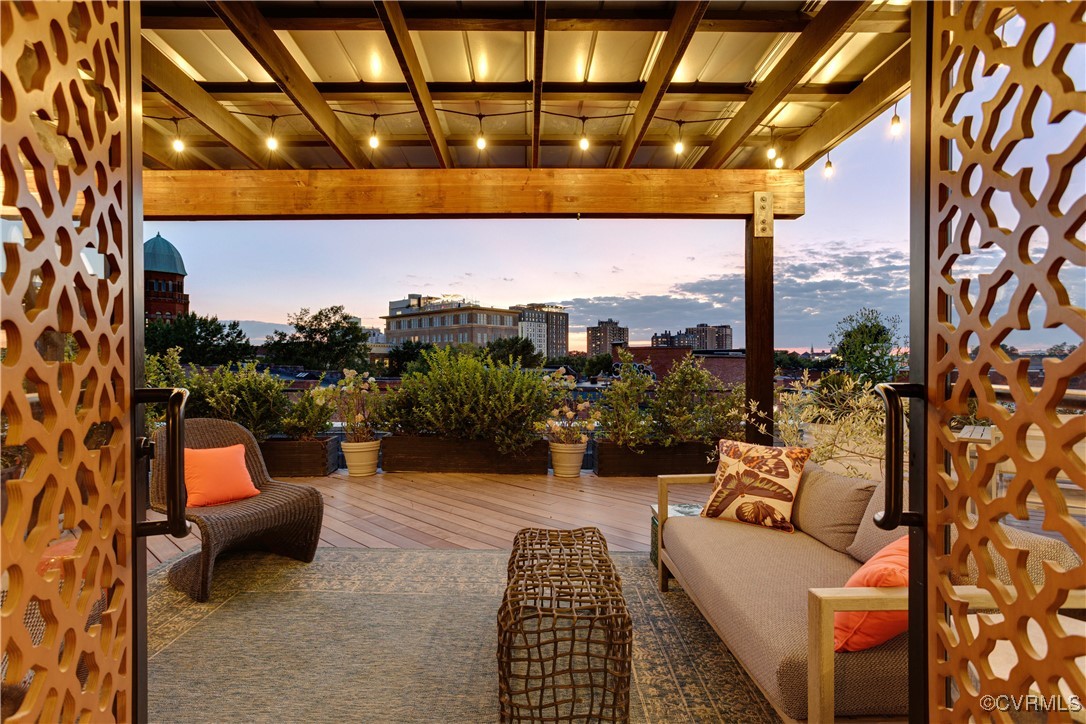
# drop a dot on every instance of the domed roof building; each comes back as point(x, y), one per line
point(163, 280)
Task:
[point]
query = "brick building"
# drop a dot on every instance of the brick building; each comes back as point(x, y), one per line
point(445, 320)
point(703, 336)
point(164, 275)
point(728, 367)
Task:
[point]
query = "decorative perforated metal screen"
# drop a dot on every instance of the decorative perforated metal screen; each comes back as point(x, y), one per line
point(1008, 200)
point(67, 533)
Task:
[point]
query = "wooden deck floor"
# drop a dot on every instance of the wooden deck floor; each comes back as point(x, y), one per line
point(461, 510)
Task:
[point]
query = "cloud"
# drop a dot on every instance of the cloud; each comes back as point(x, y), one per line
point(812, 292)
point(615, 270)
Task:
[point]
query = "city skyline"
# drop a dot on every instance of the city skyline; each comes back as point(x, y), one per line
point(850, 250)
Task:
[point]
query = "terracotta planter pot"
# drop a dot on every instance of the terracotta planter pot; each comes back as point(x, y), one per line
point(567, 458)
point(300, 458)
point(361, 458)
point(685, 457)
point(442, 455)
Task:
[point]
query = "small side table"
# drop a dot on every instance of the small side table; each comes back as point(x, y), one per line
point(672, 510)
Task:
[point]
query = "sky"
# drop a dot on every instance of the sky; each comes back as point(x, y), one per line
point(850, 250)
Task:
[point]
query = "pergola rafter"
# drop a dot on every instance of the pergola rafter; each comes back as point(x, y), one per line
point(259, 38)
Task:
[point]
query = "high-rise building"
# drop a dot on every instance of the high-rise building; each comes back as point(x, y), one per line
point(703, 336)
point(711, 336)
point(446, 320)
point(164, 275)
point(547, 325)
point(605, 334)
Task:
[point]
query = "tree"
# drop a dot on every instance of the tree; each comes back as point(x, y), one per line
point(400, 356)
point(869, 345)
point(515, 349)
point(203, 340)
point(598, 364)
point(1060, 350)
point(328, 339)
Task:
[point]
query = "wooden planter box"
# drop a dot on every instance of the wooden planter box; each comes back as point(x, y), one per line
point(443, 455)
point(301, 458)
point(686, 457)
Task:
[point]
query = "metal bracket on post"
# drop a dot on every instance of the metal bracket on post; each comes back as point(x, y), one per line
point(763, 213)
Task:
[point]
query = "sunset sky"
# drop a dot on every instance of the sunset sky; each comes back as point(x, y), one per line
point(849, 251)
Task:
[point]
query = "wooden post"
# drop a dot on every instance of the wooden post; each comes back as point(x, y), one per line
point(759, 315)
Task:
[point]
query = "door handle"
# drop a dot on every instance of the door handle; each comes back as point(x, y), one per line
point(176, 494)
point(895, 515)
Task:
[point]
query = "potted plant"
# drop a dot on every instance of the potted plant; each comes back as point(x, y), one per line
point(668, 427)
point(304, 448)
point(466, 412)
point(356, 400)
point(567, 428)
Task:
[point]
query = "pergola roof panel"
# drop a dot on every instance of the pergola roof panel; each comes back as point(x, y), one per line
point(599, 59)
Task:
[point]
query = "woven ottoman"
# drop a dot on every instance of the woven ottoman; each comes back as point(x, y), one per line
point(564, 633)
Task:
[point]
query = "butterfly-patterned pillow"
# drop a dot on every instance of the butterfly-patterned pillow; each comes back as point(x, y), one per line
point(756, 484)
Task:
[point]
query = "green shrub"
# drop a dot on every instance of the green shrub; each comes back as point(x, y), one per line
point(307, 417)
point(688, 406)
point(624, 413)
point(471, 398)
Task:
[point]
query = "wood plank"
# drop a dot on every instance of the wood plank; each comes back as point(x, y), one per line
point(884, 87)
point(679, 34)
point(493, 192)
point(169, 80)
point(832, 21)
point(399, 36)
point(250, 27)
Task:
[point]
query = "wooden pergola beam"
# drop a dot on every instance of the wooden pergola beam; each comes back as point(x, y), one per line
point(539, 38)
point(887, 85)
point(180, 90)
point(679, 34)
point(399, 36)
point(833, 20)
point(514, 139)
point(160, 16)
point(492, 192)
point(524, 90)
point(254, 32)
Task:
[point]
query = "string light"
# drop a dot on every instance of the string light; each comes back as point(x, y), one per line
point(679, 147)
point(895, 123)
point(480, 140)
point(178, 144)
point(272, 142)
point(827, 170)
point(771, 152)
point(583, 143)
point(778, 162)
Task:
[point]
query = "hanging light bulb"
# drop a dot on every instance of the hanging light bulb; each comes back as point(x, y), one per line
point(679, 147)
point(272, 142)
point(771, 152)
point(374, 141)
point(827, 170)
point(778, 162)
point(480, 140)
point(895, 123)
point(178, 144)
point(583, 143)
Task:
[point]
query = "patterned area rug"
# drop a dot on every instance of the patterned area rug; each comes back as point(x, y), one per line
point(401, 636)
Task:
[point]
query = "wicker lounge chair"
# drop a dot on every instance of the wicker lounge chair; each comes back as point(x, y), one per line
point(284, 518)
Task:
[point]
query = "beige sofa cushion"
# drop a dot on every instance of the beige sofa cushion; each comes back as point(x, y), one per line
point(829, 506)
point(870, 539)
point(751, 585)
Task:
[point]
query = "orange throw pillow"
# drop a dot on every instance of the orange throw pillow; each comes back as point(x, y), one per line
point(217, 475)
point(859, 630)
point(756, 484)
